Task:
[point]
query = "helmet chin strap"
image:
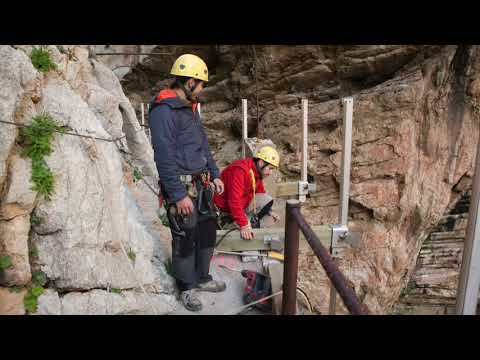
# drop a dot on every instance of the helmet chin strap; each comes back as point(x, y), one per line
point(260, 169)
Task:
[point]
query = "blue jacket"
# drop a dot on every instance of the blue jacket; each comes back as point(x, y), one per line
point(179, 142)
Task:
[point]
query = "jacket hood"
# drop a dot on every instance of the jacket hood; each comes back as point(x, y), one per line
point(171, 98)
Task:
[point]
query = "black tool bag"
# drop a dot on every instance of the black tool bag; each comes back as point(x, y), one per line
point(205, 206)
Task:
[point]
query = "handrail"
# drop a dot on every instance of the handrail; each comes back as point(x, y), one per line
point(294, 223)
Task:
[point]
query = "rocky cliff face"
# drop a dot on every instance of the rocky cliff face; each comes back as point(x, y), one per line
point(415, 131)
point(432, 289)
point(92, 241)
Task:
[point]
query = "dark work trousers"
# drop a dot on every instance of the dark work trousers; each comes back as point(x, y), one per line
point(193, 242)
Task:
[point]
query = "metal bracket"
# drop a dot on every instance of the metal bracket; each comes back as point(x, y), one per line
point(273, 241)
point(304, 188)
point(339, 233)
point(342, 238)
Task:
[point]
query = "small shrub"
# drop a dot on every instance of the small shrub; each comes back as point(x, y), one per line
point(5, 262)
point(33, 252)
point(162, 215)
point(30, 302)
point(137, 175)
point(35, 220)
point(42, 59)
point(35, 289)
point(39, 278)
point(37, 143)
point(16, 289)
point(132, 255)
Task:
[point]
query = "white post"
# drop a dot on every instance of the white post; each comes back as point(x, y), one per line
point(345, 178)
point(244, 128)
point(469, 281)
point(304, 156)
point(346, 159)
point(199, 109)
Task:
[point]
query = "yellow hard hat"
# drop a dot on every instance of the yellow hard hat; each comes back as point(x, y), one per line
point(269, 155)
point(191, 66)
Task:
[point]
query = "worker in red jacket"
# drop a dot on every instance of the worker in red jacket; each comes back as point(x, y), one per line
point(243, 180)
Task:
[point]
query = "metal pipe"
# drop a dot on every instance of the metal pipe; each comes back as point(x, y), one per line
point(290, 269)
point(304, 147)
point(346, 293)
point(469, 280)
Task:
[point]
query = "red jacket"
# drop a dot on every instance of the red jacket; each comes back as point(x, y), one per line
point(238, 189)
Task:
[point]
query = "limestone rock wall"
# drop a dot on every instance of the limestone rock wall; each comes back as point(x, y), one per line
point(84, 238)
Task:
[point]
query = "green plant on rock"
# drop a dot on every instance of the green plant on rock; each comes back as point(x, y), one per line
point(115, 290)
point(37, 143)
point(33, 252)
point(42, 59)
point(39, 278)
point(137, 175)
point(16, 289)
point(35, 289)
point(30, 301)
point(5, 262)
point(35, 220)
point(162, 215)
point(131, 254)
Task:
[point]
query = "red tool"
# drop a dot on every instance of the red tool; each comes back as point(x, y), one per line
point(258, 286)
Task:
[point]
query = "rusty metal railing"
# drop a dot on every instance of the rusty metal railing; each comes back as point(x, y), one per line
point(294, 223)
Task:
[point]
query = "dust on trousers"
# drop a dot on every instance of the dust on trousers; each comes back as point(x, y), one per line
point(193, 237)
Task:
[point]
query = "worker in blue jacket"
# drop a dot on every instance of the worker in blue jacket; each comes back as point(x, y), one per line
point(188, 178)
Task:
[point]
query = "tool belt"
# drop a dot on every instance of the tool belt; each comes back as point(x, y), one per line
point(200, 190)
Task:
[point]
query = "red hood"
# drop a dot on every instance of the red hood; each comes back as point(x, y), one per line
point(168, 94)
point(165, 94)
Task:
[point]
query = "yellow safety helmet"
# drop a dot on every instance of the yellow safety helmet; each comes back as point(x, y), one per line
point(269, 155)
point(191, 66)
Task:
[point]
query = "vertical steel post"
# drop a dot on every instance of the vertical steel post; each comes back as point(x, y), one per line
point(345, 178)
point(469, 280)
point(244, 128)
point(346, 159)
point(304, 139)
point(290, 270)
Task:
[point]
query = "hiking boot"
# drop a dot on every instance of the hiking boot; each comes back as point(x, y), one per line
point(212, 286)
point(191, 301)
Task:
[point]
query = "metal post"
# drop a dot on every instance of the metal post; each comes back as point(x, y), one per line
point(346, 159)
point(290, 270)
point(469, 281)
point(304, 164)
point(244, 128)
point(345, 178)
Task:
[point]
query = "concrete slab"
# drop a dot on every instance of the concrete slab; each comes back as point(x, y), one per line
point(231, 298)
